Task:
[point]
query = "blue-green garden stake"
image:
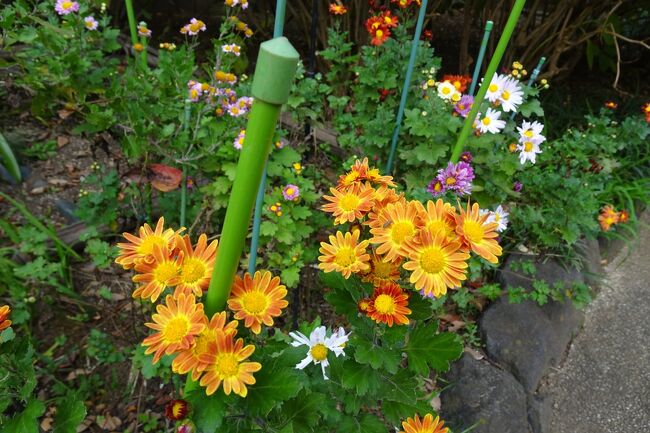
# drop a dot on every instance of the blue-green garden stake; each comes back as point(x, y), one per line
point(532, 79)
point(407, 84)
point(481, 54)
point(278, 29)
point(186, 122)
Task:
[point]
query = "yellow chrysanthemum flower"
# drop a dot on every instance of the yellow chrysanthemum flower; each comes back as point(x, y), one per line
point(155, 277)
point(439, 217)
point(361, 172)
point(428, 424)
point(393, 227)
point(344, 254)
point(141, 248)
point(478, 235)
point(350, 204)
point(225, 365)
point(257, 300)
point(178, 322)
point(189, 360)
point(435, 264)
point(196, 268)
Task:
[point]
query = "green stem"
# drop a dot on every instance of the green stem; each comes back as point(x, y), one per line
point(132, 25)
point(144, 54)
point(491, 69)
point(186, 121)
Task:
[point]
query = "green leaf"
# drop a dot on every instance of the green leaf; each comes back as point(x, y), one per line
point(268, 228)
point(27, 420)
point(208, 412)
point(427, 349)
point(361, 424)
point(9, 160)
point(395, 411)
point(358, 377)
point(273, 385)
point(302, 410)
point(69, 414)
point(377, 357)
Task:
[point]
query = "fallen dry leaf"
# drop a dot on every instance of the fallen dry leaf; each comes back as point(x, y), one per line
point(164, 178)
point(46, 423)
point(62, 141)
point(64, 113)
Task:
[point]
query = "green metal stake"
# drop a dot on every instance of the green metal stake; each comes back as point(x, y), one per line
point(407, 84)
point(274, 73)
point(143, 54)
point(532, 79)
point(492, 68)
point(481, 54)
point(278, 28)
point(186, 122)
point(131, 17)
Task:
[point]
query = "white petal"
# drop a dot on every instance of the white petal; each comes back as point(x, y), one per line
point(300, 339)
point(305, 362)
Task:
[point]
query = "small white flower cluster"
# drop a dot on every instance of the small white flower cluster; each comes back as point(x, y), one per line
point(320, 345)
point(232, 49)
point(499, 216)
point(530, 137)
point(505, 92)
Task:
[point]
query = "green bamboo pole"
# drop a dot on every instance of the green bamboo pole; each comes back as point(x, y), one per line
point(278, 28)
point(276, 67)
point(481, 54)
point(144, 54)
point(492, 68)
point(132, 25)
point(186, 122)
point(407, 84)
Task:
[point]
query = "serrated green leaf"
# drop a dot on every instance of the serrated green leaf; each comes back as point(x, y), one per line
point(69, 414)
point(377, 357)
point(208, 412)
point(301, 410)
point(358, 377)
point(273, 385)
point(427, 348)
point(361, 424)
point(27, 420)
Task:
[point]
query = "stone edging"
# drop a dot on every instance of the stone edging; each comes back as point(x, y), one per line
point(523, 342)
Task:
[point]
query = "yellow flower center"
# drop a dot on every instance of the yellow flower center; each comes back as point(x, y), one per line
point(382, 269)
point(176, 329)
point(165, 271)
point(432, 260)
point(486, 121)
point(528, 146)
point(345, 257)
point(528, 133)
point(450, 180)
point(493, 88)
point(385, 304)
point(349, 202)
point(473, 231)
point(505, 95)
point(227, 365)
point(497, 217)
point(146, 247)
point(201, 342)
point(319, 352)
point(446, 90)
point(178, 408)
point(379, 33)
point(66, 5)
point(254, 302)
point(290, 191)
point(192, 271)
point(457, 84)
point(401, 230)
point(350, 177)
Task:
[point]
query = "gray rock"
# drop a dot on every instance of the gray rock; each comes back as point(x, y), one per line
point(539, 413)
point(592, 267)
point(550, 271)
point(482, 394)
point(522, 339)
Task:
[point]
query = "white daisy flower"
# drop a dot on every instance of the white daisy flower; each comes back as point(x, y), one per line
point(512, 95)
point(490, 122)
point(496, 87)
point(499, 216)
point(528, 150)
point(446, 90)
point(232, 48)
point(319, 346)
point(531, 131)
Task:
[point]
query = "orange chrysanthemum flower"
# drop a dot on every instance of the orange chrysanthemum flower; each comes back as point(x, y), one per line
point(178, 323)
point(428, 424)
point(379, 36)
point(141, 248)
point(478, 235)
point(350, 204)
point(363, 305)
point(388, 305)
point(190, 358)
point(623, 216)
point(257, 300)
point(611, 105)
point(439, 217)
point(196, 268)
point(4, 317)
point(393, 227)
point(226, 366)
point(381, 271)
point(388, 20)
point(163, 272)
point(361, 172)
point(435, 264)
point(460, 82)
point(344, 254)
point(337, 9)
point(608, 217)
point(176, 410)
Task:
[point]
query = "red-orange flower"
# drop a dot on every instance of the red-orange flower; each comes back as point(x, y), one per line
point(176, 410)
point(608, 217)
point(623, 216)
point(611, 105)
point(140, 248)
point(257, 300)
point(389, 304)
point(337, 9)
point(382, 271)
point(645, 109)
point(388, 20)
point(425, 425)
point(4, 317)
point(402, 3)
point(460, 82)
point(379, 36)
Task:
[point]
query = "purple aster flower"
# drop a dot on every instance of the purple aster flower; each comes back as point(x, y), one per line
point(457, 177)
point(65, 7)
point(517, 186)
point(463, 105)
point(424, 295)
point(291, 192)
point(91, 23)
point(466, 157)
point(436, 188)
